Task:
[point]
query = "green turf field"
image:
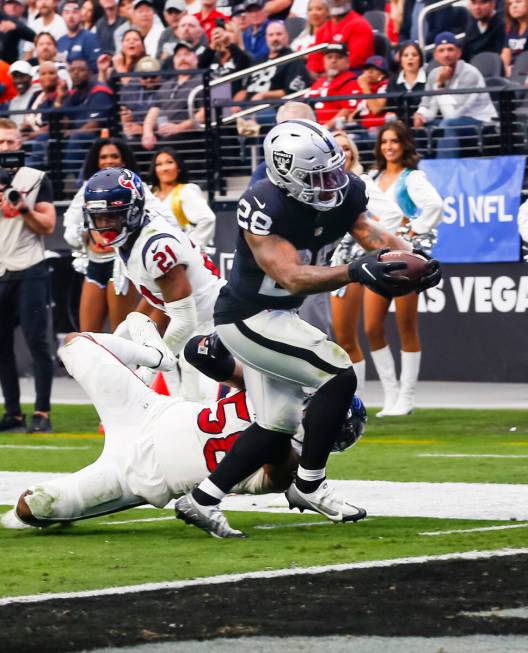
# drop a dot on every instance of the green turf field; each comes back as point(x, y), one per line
point(99, 553)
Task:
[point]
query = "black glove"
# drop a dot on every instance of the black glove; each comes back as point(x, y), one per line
point(432, 276)
point(371, 272)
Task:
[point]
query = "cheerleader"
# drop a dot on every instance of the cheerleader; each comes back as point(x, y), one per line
point(399, 179)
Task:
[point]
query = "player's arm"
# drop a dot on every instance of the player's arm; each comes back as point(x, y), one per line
point(371, 235)
point(179, 306)
point(279, 259)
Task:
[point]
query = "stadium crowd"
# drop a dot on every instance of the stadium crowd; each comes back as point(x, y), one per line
point(130, 65)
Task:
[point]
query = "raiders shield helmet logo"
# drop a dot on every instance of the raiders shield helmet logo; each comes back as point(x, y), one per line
point(283, 162)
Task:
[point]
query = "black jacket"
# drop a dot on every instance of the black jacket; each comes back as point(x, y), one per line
point(492, 40)
point(9, 41)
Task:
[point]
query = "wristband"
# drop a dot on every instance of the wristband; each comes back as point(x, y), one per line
point(353, 271)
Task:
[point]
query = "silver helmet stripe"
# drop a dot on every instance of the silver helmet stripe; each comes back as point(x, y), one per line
point(319, 132)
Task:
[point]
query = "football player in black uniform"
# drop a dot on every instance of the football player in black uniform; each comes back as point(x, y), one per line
point(289, 225)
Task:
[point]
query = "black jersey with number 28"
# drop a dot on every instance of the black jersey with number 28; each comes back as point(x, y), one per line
point(265, 209)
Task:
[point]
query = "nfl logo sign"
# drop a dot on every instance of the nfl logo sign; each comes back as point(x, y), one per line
point(283, 162)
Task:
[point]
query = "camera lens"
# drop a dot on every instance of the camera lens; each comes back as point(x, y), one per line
point(12, 195)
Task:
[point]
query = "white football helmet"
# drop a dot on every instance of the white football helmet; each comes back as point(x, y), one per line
point(303, 158)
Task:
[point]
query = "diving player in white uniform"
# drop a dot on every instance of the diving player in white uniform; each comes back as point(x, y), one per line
point(156, 448)
point(167, 269)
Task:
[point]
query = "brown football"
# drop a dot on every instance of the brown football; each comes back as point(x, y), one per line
point(416, 264)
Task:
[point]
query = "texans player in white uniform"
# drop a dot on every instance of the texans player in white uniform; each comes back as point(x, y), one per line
point(167, 269)
point(156, 448)
point(290, 225)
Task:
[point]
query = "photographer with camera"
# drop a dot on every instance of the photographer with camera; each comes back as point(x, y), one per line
point(27, 214)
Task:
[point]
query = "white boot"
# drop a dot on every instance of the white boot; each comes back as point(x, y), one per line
point(408, 380)
point(384, 364)
point(359, 369)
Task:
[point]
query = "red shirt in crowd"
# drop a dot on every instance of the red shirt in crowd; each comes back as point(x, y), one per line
point(6, 80)
point(344, 84)
point(353, 30)
point(363, 115)
point(208, 24)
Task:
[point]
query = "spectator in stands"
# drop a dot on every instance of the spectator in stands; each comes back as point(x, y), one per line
point(46, 50)
point(170, 115)
point(78, 43)
point(223, 56)
point(143, 19)
point(22, 74)
point(208, 17)
point(48, 21)
point(137, 97)
point(24, 286)
point(170, 184)
point(188, 30)
point(411, 77)
point(106, 26)
point(91, 11)
point(278, 9)
point(254, 37)
point(132, 50)
point(370, 113)
point(318, 14)
point(274, 83)
point(394, 19)
point(86, 108)
point(44, 101)
point(127, 11)
point(172, 12)
point(345, 26)
point(460, 113)
point(239, 17)
point(337, 80)
point(485, 30)
point(7, 88)
point(13, 31)
point(516, 32)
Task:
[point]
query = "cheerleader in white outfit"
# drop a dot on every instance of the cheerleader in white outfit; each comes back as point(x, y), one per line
point(398, 178)
point(346, 302)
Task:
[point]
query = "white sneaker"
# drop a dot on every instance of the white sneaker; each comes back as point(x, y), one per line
point(144, 331)
point(209, 518)
point(325, 502)
point(10, 520)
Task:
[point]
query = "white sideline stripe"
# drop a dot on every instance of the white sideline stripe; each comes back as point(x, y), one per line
point(475, 530)
point(469, 455)
point(134, 521)
point(36, 446)
point(277, 573)
point(506, 613)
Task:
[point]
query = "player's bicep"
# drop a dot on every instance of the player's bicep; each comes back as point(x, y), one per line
point(175, 284)
point(274, 255)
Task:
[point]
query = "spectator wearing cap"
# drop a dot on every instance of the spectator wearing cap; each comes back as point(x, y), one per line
point(151, 30)
point(48, 21)
point(127, 9)
point(239, 17)
point(106, 26)
point(137, 96)
point(337, 80)
point(13, 31)
point(275, 82)
point(209, 17)
point(485, 29)
point(459, 113)
point(169, 115)
point(344, 26)
point(410, 77)
point(369, 113)
point(223, 56)
point(22, 74)
point(173, 11)
point(318, 14)
point(77, 43)
point(254, 37)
